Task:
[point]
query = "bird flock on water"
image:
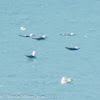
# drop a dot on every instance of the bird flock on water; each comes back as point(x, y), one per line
point(64, 80)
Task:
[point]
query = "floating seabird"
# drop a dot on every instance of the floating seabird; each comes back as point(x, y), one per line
point(64, 34)
point(27, 35)
point(33, 55)
point(71, 34)
point(75, 48)
point(40, 38)
point(23, 28)
point(65, 80)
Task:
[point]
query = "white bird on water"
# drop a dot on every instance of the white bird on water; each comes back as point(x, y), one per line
point(23, 28)
point(72, 34)
point(44, 36)
point(65, 80)
point(31, 35)
point(34, 53)
point(76, 47)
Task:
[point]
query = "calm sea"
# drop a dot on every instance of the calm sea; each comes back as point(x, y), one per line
point(39, 79)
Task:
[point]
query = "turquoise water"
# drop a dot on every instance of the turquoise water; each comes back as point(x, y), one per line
point(41, 76)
